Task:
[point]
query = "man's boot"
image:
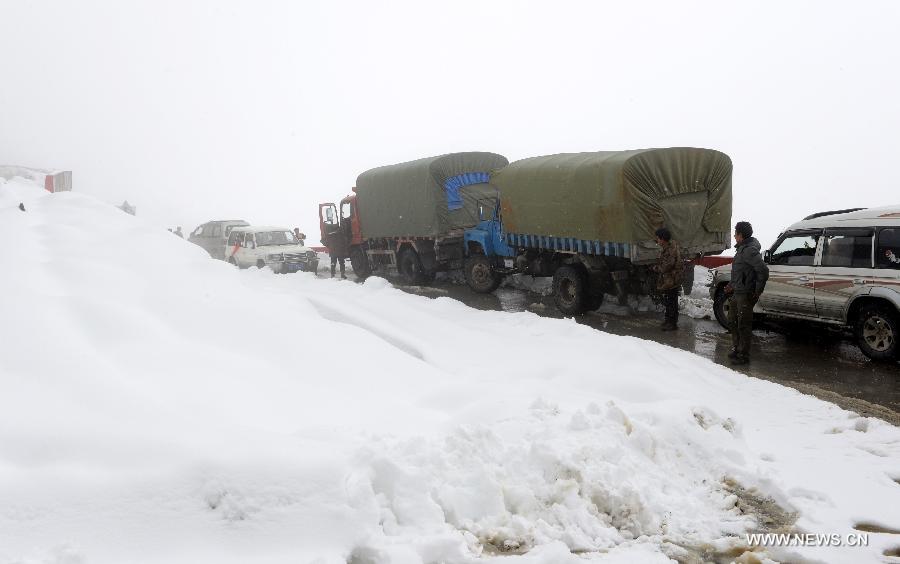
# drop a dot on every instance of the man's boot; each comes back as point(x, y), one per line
point(740, 359)
point(332, 271)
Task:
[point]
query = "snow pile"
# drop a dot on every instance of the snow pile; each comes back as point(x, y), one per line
point(591, 480)
point(698, 304)
point(160, 406)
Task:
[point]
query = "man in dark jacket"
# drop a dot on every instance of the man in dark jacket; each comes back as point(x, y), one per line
point(669, 275)
point(749, 274)
point(338, 250)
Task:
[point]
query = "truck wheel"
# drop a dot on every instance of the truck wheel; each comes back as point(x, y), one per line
point(569, 290)
point(877, 331)
point(480, 275)
point(594, 302)
point(410, 268)
point(360, 263)
point(260, 264)
point(721, 306)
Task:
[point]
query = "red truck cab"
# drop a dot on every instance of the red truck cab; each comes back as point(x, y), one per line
point(343, 221)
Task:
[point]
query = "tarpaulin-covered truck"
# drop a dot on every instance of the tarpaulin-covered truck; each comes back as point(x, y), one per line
point(412, 216)
point(588, 220)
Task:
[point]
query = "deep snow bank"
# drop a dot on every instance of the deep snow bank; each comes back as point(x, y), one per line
point(160, 406)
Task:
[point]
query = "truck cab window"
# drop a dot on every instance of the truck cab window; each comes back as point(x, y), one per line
point(887, 251)
point(330, 215)
point(796, 250)
point(346, 212)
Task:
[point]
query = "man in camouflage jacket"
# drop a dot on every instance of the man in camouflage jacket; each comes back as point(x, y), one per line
point(669, 276)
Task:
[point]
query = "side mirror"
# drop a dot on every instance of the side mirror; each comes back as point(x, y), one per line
point(767, 256)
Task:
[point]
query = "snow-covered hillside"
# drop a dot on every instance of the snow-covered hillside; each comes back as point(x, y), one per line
point(160, 406)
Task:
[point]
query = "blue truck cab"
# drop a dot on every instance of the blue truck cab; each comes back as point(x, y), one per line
point(487, 236)
point(488, 256)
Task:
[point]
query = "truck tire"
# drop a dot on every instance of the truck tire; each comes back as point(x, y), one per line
point(360, 263)
point(569, 290)
point(594, 302)
point(410, 268)
point(480, 275)
point(721, 305)
point(877, 331)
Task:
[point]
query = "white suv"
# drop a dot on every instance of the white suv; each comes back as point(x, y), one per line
point(275, 247)
point(838, 268)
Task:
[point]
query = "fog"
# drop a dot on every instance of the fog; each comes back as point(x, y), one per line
point(199, 110)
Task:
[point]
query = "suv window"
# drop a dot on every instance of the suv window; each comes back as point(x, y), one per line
point(798, 249)
point(216, 230)
point(887, 252)
point(236, 238)
point(851, 248)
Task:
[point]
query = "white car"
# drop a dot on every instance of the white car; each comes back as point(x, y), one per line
point(839, 268)
point(275, 247)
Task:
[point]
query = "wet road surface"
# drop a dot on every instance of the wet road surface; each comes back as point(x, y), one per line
point(820, 363)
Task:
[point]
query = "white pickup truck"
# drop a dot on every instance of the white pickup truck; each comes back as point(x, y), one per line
point(275, 247)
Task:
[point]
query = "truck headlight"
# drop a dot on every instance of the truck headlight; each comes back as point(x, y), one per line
point(275, 258)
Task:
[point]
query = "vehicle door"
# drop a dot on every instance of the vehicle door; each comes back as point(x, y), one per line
point(791, 261)
point(328, 221)
point(347, 219)
point(248, 250)
point(844, 270)
point(887, 258)
point(234, 246)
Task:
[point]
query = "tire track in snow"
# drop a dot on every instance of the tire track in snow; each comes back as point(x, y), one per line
point(370, 326)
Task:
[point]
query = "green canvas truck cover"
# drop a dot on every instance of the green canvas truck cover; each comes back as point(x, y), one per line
point(428, 197)
point(621, 196)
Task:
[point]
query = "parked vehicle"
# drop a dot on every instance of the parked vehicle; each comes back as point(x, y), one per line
point(411, 217)
point(275, 247)
point(836, 268)
point(588, 220)
point(213, 235)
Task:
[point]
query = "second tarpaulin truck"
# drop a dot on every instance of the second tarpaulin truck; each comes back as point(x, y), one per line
point(411, 216)
point(588, 220)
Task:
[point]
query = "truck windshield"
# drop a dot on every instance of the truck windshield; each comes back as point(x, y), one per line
point(272, 238)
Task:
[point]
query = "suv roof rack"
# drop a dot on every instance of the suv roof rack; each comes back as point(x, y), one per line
point(834, 212)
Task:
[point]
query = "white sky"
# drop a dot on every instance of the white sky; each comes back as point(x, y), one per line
point(199, 110)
